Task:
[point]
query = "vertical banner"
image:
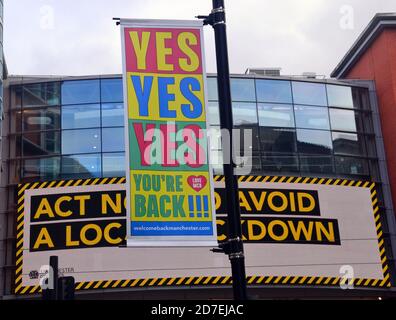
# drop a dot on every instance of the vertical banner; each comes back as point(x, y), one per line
point(170, 193)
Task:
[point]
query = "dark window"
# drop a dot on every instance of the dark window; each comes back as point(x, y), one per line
point(279, 163)
point(80, 92)
point(41, 94)
point(81, 166)
point(81, 141)
point(346, 120)
point(113, 139)
point(309, 93)
point(247, 141)
point(354, 166)
point(242, 90)
point(112, 90)
point(113, 164)
point(41, 143)
point(41, 119)
point(41, 169)
point(278, 140)
point(314, 141)
point(244, 113)
point(316, 164)
point(348, 144)
point(312, 117)
point(113, 115)
point(340, 96)
point(276, 115)
point(275, 91)
point(81, 116)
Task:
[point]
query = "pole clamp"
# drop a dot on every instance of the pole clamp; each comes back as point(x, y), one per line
point(217, 16)
point(232, 247)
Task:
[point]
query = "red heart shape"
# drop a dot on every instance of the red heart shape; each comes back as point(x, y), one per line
point(197, 182)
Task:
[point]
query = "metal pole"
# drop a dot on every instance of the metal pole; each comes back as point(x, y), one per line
point(235, 244)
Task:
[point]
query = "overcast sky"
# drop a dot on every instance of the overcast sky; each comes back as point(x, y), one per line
point(78, 37)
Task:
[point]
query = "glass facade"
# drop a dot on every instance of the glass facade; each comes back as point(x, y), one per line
point(74, 128)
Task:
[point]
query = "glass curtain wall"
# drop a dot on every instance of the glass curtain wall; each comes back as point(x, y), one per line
point(74, 129)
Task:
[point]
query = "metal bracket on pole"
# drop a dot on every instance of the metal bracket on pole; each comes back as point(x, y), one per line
point(233, 248)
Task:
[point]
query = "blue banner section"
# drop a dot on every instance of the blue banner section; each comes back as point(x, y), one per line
point(148, 229)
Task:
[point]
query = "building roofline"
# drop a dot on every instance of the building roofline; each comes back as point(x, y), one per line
point(366, 38)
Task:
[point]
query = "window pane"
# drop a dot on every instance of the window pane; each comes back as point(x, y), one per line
point(346, 165)
point(112, 90)
point(41, 94)
point(113, 115)
point(274, 91)
point(278, 140)
point(280, 163)
point(81, 116)
point(312, 117)
point(276, 115)
point(309, 93)
point(316, 164)
point(243, 90)
point(213, 113)
point(41, 119)
point(212, 89)
point(41, 169)
point(41, 143)
point(247, 141)
point(340, 96)
point(314, 141)
point(345, 120)
point(244, 113)
point(81, 141)
point(347, 143)
point(114, 164)
point(113, 139)
point(81, 91)
point(81, 166)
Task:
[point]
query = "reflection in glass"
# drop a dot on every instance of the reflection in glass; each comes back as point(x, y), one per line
point(112, 90)
point(113, 139)
point(278, 91)
point(316, 164)
point(314, 141)
point(212, 89)
point(41, 143)
point(349, 144)
point(41, 119)
point(213, 113)
point(81, 116)
point(312, 117)
point(81, 141)
point(81, 166)
point(276, 115)
point(243, 90)
point(113, 115)
point(345, 120)
point(80, 92)
point(355, 166)
point(309, 93)
point(246, 141)
point(340, 96)
point(278, 140)
point(41, 169)
point(41, 94)
point(113, 164)
point(279, 163)
point(244, 113)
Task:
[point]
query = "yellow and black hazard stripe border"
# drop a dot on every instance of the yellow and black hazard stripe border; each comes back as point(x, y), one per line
point(206, 280)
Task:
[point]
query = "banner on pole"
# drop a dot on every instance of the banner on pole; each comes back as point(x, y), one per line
point(169, 177)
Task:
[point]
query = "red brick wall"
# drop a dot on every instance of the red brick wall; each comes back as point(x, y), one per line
point(379, 63)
